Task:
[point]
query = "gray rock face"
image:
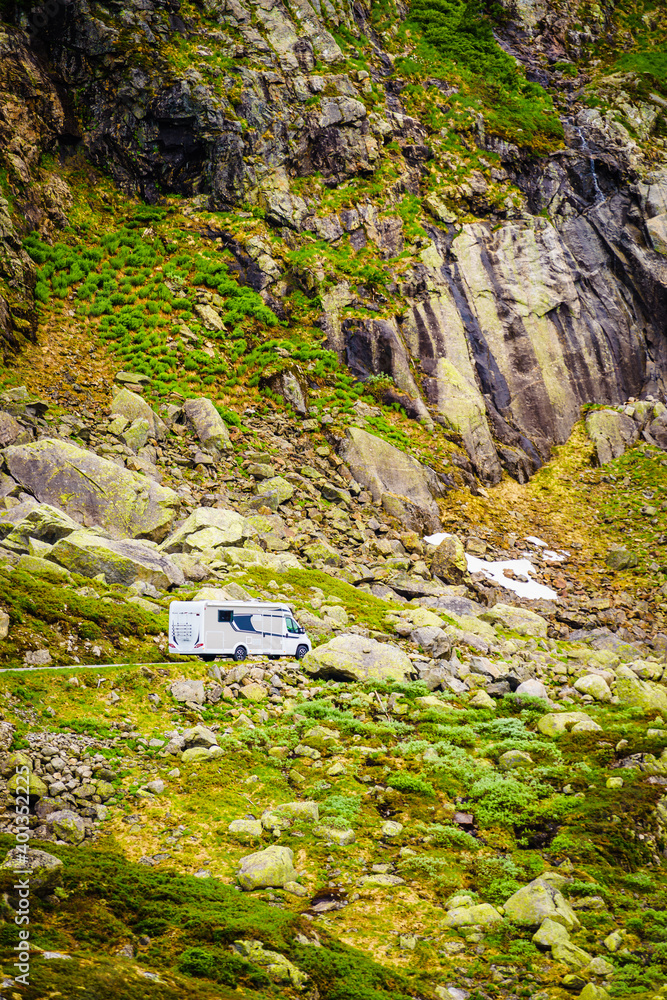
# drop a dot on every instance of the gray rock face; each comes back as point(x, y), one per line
point(92, 490)
point(406, 488)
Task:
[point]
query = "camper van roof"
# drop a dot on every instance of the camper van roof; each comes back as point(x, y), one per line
point(252, 600)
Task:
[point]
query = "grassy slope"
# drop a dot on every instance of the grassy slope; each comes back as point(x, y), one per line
point(522, 827)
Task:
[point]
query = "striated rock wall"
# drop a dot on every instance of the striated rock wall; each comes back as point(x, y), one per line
point(522, 288)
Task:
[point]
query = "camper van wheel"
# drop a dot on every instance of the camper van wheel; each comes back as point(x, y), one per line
point(207, 657)
point(300, 652)
point(240, 653)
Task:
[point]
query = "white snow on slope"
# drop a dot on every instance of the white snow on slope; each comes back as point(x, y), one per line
point(528, 589)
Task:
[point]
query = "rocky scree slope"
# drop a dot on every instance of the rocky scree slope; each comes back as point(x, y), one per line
point(393, 192)
point(452, 781)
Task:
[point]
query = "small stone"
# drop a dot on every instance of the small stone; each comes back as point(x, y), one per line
point(340, 837)
point(155, 787)
point(615, 941)
point(254, 692)
point(550, 933)
point(295, 889)
point(245, 829)
point(601, 967)
point(614, 782)
point(391, 828)
point(513, 759)
point(482, 700)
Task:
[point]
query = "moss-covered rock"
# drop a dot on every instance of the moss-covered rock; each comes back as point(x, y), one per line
point(353, 657)
point(482, 915)
point(595, 686)
point(44, 870)
point(536, 902)
point(271, 867)
point(641, 694)
point(92, 489)
point(120, 561)
point(519, 620)
point(562, 722)
point(36, 787)
point(67, 825)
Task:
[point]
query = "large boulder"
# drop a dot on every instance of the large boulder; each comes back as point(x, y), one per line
point(657, 430)
point(533, 903)
point(478, 915)
point(188, 691)
point(133, 407)
point(519, 620)
point(355, 658)
point(92, 490)
point(208, 528)
point(562, 722)
point(272, 867)
point(593, 685)
point(395, 477)
point(43, 870)
point(449, 562)
point(611, 432)
point(125, 562)
point(67, 825)
point(641, 694)
point(208, 425)
point(32, 520)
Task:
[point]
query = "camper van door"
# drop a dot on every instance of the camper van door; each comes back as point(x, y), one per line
point(272, 626)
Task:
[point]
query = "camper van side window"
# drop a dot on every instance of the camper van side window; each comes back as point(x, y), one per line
point(291, 625)
point(225, 616)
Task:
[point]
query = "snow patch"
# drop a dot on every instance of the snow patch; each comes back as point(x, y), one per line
point(436, 539)
point(529, 589)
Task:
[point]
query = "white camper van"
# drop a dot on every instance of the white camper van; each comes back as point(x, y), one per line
point(235, 629)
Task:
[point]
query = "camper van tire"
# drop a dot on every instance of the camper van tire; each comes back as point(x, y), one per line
point(240, 653)
point(300, 652)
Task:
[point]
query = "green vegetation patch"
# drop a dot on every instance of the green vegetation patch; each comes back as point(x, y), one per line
point(459, 35)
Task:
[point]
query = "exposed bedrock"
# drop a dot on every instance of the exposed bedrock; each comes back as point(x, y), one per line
point(502, 329)
point(508, 330)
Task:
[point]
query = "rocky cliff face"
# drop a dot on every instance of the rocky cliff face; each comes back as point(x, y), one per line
point(487, 289)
